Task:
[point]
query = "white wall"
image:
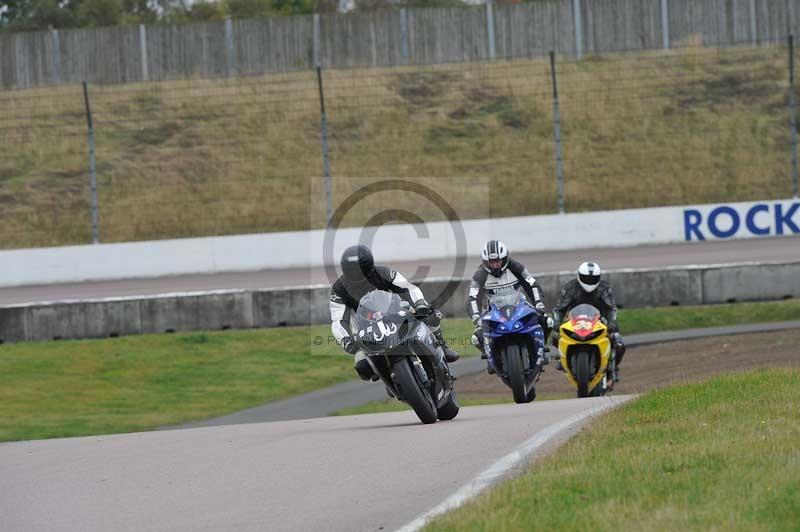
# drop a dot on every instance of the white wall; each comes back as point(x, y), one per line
point(395, 242)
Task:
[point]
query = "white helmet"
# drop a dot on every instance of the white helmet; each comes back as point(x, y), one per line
point(589, 275)
point(495, 257)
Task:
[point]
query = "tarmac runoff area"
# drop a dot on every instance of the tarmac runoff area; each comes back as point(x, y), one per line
point(352, 473)
point(781, 249)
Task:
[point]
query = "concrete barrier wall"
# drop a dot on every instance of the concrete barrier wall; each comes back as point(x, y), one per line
point(391, 243)
point(238, 309)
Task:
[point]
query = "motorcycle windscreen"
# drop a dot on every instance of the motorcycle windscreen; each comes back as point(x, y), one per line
point(377, 304)
point(381, 320)
point(509, 298)
point(583, 318)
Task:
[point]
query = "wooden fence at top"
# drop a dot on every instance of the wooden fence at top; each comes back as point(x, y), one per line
point(385, 38)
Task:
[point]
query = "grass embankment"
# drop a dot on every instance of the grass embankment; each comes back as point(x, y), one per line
point(717, 455)
point(203, 157)
point(74, 388)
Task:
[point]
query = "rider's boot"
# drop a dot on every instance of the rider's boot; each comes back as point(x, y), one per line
point(450, 354)
point(559, 367)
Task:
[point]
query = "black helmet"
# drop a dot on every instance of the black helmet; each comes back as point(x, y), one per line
point(357, 263)
point(494, 256)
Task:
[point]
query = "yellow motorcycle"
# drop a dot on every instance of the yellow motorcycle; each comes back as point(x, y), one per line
point(586, 353)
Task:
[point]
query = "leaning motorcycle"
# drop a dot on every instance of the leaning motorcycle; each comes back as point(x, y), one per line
point(585, 349)
point(404, 353)
point(514, 344)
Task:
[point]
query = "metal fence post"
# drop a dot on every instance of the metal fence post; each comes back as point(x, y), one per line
point(490, 28)
point(230, 56)
point(143, 52)
point(753, 22)
point(326, 164)
point(92, 166)
point(576, 16)
point(557, 131)
point(316, 42)
point(793, 115)
point(665, 24)
point(56, 56)
point(404, 36)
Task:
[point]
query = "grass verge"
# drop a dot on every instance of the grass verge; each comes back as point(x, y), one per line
point(77, 388)
point(717, 455)
point(230, 156)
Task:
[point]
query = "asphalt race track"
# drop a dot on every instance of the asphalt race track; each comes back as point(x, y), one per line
point(786, 249)
point(368, 472)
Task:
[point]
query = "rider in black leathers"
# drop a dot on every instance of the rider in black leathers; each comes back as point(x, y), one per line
point(359, 276)
point(587, 288)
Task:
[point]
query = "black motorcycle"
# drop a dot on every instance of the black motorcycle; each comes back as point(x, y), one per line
point(404, 353)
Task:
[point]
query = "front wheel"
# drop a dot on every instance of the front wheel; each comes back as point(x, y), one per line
point(516, 373)
point(414, 393)
point(583, 373)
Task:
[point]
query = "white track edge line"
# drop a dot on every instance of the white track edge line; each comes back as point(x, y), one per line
point(497, 470)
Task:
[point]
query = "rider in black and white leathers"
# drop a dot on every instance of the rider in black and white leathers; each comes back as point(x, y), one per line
point(359, 276)
point(499, 274)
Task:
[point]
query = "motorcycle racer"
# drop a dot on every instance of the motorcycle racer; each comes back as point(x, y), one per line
point(359, 276)
point(587, 287)
point(500, 274)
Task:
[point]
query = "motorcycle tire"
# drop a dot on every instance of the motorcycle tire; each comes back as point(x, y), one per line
point(516, 376)
point(583, 372)
point(414, 393)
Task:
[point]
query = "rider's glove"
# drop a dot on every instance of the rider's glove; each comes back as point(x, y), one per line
point(540, 308)
point(350, 345)
point(423, 309)
point(477, 337)
point(476, 320)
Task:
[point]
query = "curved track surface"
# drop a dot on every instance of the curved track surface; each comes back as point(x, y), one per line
point(785, 249)
point(352, 473)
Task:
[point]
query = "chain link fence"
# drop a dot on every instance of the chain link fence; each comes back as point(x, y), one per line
point(207, 157)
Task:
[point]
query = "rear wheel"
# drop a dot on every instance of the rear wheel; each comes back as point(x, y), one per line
point(516, 373)
point(583, 373)
point(414, 393)
point(450, 409)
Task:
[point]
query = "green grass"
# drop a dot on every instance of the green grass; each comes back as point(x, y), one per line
point(228, 156)
point(718, 455)
point(74, 388)
point(645, 320)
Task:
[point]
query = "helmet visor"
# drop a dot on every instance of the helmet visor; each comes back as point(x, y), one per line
point(590, 280)
point(495, 264)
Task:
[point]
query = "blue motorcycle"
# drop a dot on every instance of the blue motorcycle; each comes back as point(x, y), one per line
point(514, 343)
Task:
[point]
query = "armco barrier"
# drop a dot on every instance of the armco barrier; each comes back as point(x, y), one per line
point(291, 306)
point(399, 242)
point(751, 283)
point(238, 309)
